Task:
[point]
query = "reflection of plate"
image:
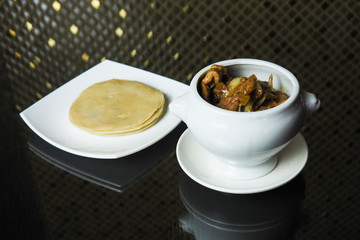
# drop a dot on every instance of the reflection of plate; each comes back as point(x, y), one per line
point(48, 117)
point(109, 173)
point(195, 161)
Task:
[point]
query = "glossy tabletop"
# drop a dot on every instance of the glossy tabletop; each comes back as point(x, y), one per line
point(148, 196)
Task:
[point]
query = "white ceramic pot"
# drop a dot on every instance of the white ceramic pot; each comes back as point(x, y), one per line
point(246, 141)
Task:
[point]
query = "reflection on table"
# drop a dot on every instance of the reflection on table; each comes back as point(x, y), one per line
point(211, 214)
point(115, 174)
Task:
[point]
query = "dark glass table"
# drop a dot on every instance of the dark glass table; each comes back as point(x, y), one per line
point(147, 196)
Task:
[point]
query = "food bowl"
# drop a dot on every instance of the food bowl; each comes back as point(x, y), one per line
point(245, 144)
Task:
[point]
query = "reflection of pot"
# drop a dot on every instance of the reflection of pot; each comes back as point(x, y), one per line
point(217, 215)
point(248, 139)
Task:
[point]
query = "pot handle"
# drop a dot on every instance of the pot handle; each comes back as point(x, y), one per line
point(179, 106)
point(311, 102)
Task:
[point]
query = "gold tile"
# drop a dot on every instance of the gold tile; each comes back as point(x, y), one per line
point(56, 6)
point(29, 26)
point(206, 59)
point(32, 65)
point(74, 29)
point(12, 32)
point(37, 60)
point(133, 53)
point(119, 32)
point(206, 37)
point(103, 59)
point(38, 95)
point(189, 77)
point(169, 39)
point(146, 63)
point(186, 8)
point(150, 34)
point(17, 107)
point(51, 42)
point(122, 13)
point(18, 55)
point(85, 57)
point(48, 85)
point(176, 56)
point(95, 4)
point(153, 5)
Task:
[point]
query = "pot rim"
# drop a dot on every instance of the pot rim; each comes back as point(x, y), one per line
point(255, 62)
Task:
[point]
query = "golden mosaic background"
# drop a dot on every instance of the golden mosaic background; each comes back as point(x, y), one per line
point(45, 43)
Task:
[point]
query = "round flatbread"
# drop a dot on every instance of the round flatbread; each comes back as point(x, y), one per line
point(117, 107)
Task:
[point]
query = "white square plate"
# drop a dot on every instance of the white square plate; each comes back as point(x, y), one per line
point(49, 117)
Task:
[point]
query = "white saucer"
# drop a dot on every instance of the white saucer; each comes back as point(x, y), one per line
point(195, 161)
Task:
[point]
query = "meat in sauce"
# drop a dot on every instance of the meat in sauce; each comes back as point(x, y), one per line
point(239, 93)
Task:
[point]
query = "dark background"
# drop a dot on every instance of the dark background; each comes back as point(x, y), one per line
point(41, 50)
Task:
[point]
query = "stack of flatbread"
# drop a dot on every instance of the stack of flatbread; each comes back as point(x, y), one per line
point(117, 107)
